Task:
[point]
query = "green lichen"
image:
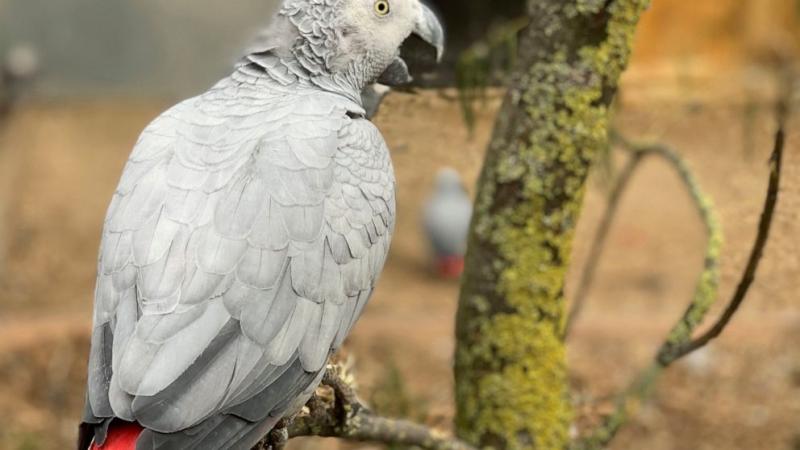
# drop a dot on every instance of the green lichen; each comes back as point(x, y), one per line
point(511, 373)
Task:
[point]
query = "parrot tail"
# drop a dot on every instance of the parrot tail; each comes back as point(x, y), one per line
point(121, 436)
point(450, 267)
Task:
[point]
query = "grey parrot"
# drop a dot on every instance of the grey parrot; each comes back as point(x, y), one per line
point(246, 235)
point(446, 220)
point(19, 68)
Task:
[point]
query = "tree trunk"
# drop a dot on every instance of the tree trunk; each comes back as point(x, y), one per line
point(510, 369)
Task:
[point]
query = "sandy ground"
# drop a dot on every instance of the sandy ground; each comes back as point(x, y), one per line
point(59, 164)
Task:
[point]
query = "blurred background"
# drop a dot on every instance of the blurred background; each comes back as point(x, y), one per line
point(83, 77)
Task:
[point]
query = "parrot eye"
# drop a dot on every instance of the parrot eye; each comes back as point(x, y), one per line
point(382, 7)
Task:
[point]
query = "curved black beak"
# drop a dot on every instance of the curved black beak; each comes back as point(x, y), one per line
point(429, 29)
point(428, 32)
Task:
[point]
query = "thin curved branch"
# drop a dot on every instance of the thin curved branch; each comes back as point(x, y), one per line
point(336, 411)
point(600, 238)
point(680, 342)
point(704, 296)
point(706, 291)
point(749, 274)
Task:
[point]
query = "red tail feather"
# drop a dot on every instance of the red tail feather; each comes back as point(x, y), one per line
point(450, 267)
point(121, 436)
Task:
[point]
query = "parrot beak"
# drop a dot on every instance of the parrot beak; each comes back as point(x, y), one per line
point(427, 32)
point(429, 29)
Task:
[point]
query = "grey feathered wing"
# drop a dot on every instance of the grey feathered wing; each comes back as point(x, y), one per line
point(238, 251)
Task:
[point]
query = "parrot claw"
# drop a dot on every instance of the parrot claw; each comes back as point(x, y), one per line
point(278, 437)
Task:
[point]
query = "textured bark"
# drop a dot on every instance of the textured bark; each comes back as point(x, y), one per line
point(336, 411)
point(511, 375)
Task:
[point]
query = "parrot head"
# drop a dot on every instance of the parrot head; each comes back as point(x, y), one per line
point(360, 39)
point(449, 181)
point(376, 29)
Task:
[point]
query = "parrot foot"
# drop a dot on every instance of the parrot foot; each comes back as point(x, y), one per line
point(278, 437)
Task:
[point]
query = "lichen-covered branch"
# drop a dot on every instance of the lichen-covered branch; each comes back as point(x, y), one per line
point(748, 276)
point(366, 427)
point(510, 368)
point(704, 295)
point(336, 411)
point(706, 290)
point(680, 342)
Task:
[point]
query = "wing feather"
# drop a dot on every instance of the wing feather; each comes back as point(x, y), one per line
point(145, 201)
point(240, 206)
point(183, 206)
point(217, 253)
point(116, 251)
point(270, 231)
point(153, 366)
point(264, 315)
point(285, 344)
point(261, 268)
point(318, 339)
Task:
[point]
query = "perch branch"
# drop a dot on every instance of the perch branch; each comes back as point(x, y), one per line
point(680, 342)
point(336, 411)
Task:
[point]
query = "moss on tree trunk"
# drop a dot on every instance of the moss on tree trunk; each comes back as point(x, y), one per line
point(511, 374)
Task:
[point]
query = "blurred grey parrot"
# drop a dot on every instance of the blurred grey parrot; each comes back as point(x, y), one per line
point(18, 69)
point(446, 220)
point(246, 235)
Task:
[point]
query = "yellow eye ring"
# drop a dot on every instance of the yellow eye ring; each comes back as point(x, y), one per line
point(382, 7)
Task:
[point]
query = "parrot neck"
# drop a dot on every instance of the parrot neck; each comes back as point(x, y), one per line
point(315, 49)
point(349, 82)
point(274, 71)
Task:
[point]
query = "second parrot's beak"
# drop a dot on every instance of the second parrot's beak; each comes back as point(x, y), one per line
point(429, 29)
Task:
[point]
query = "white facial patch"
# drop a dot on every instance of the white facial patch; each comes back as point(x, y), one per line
point(365, 31)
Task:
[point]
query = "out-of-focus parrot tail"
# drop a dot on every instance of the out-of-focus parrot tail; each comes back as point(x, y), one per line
point(121, 436)
point(450, 267)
